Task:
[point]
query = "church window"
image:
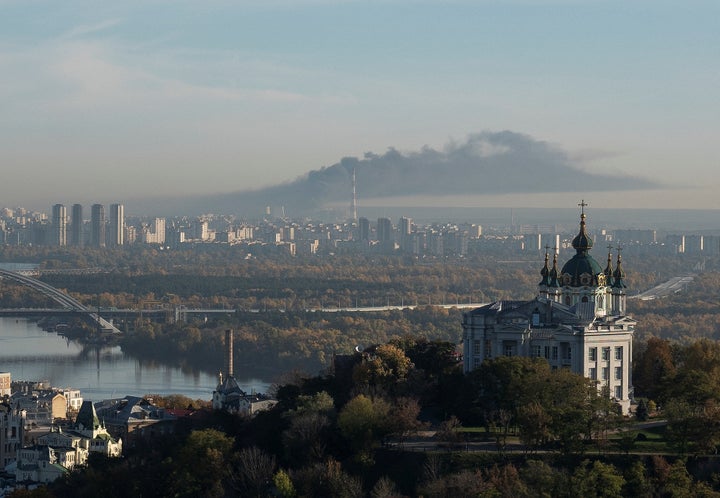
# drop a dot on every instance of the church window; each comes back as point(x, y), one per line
point(618, 373)
point(592, 354)
point(619, 353)
point(605, 354)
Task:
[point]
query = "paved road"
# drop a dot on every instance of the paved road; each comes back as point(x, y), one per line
point(425, 441)
point(672, 286)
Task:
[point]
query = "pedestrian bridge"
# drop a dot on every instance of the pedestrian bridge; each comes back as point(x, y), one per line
point(67, 302)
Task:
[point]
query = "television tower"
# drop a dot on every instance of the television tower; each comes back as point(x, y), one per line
point(353, 204)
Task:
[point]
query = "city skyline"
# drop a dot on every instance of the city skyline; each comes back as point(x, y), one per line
point(141, 100)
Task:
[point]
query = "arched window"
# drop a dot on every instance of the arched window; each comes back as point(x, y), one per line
point(568, 301)
point(584, 299)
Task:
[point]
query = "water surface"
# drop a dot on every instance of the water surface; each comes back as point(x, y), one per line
point(30, 353)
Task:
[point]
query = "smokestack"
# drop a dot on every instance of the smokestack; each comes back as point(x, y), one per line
point(229, 358)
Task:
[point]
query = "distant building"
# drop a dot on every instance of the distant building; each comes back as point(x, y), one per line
point(97, 225)
point(577, 321)
point(628, 237)
point(77, 237)
point(117, 225)
point(59, 222)
point(405, 234)
point(201, 230)
point(363, 229)
point(385, 238)
point(153, 233)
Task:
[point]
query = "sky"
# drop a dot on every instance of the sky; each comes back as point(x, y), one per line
point(109, 101)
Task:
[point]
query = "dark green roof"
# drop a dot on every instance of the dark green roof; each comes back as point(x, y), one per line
point(582, 270)
point(86, 417)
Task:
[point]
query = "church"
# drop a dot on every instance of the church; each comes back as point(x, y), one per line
point(578, 321)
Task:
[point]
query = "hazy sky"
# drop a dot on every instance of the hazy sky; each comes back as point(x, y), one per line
point(105, 101)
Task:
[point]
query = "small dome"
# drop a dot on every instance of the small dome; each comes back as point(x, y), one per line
point(619, 275)
point(545, 272)
point(582, 241)
point(582, 270)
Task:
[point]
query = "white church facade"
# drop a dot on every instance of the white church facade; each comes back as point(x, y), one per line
point(578, 321)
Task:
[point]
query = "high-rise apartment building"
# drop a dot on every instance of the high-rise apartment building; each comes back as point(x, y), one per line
point(385, 238)
point(97, 225)
point(76, 226)
point(364, 229)
point(384, 230)
point(201, 230)
point(59, 221)
point(154, 233)
point(405, 234)
point(117, 225)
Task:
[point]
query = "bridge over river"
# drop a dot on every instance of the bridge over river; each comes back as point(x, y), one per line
point(71, 306)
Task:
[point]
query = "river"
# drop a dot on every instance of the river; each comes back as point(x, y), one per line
point(30, 353)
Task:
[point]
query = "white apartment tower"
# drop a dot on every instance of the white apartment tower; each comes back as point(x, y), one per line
point(117, 225)
point(59, 225)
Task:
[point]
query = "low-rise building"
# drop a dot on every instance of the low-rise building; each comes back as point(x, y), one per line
point(131, 418)
point(43, 407)
point(58, 451)
point(5, 383)
point(229, 397)
point(74, 399)
point(12, 429)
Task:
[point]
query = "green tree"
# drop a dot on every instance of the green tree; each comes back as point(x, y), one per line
point(203, 463)
point(542, 480)
point(284, 485)
point(597, 480)
point(363, 421)
point(534, 425)
point(637, 483)
point(252, 471)
point(385, 367)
